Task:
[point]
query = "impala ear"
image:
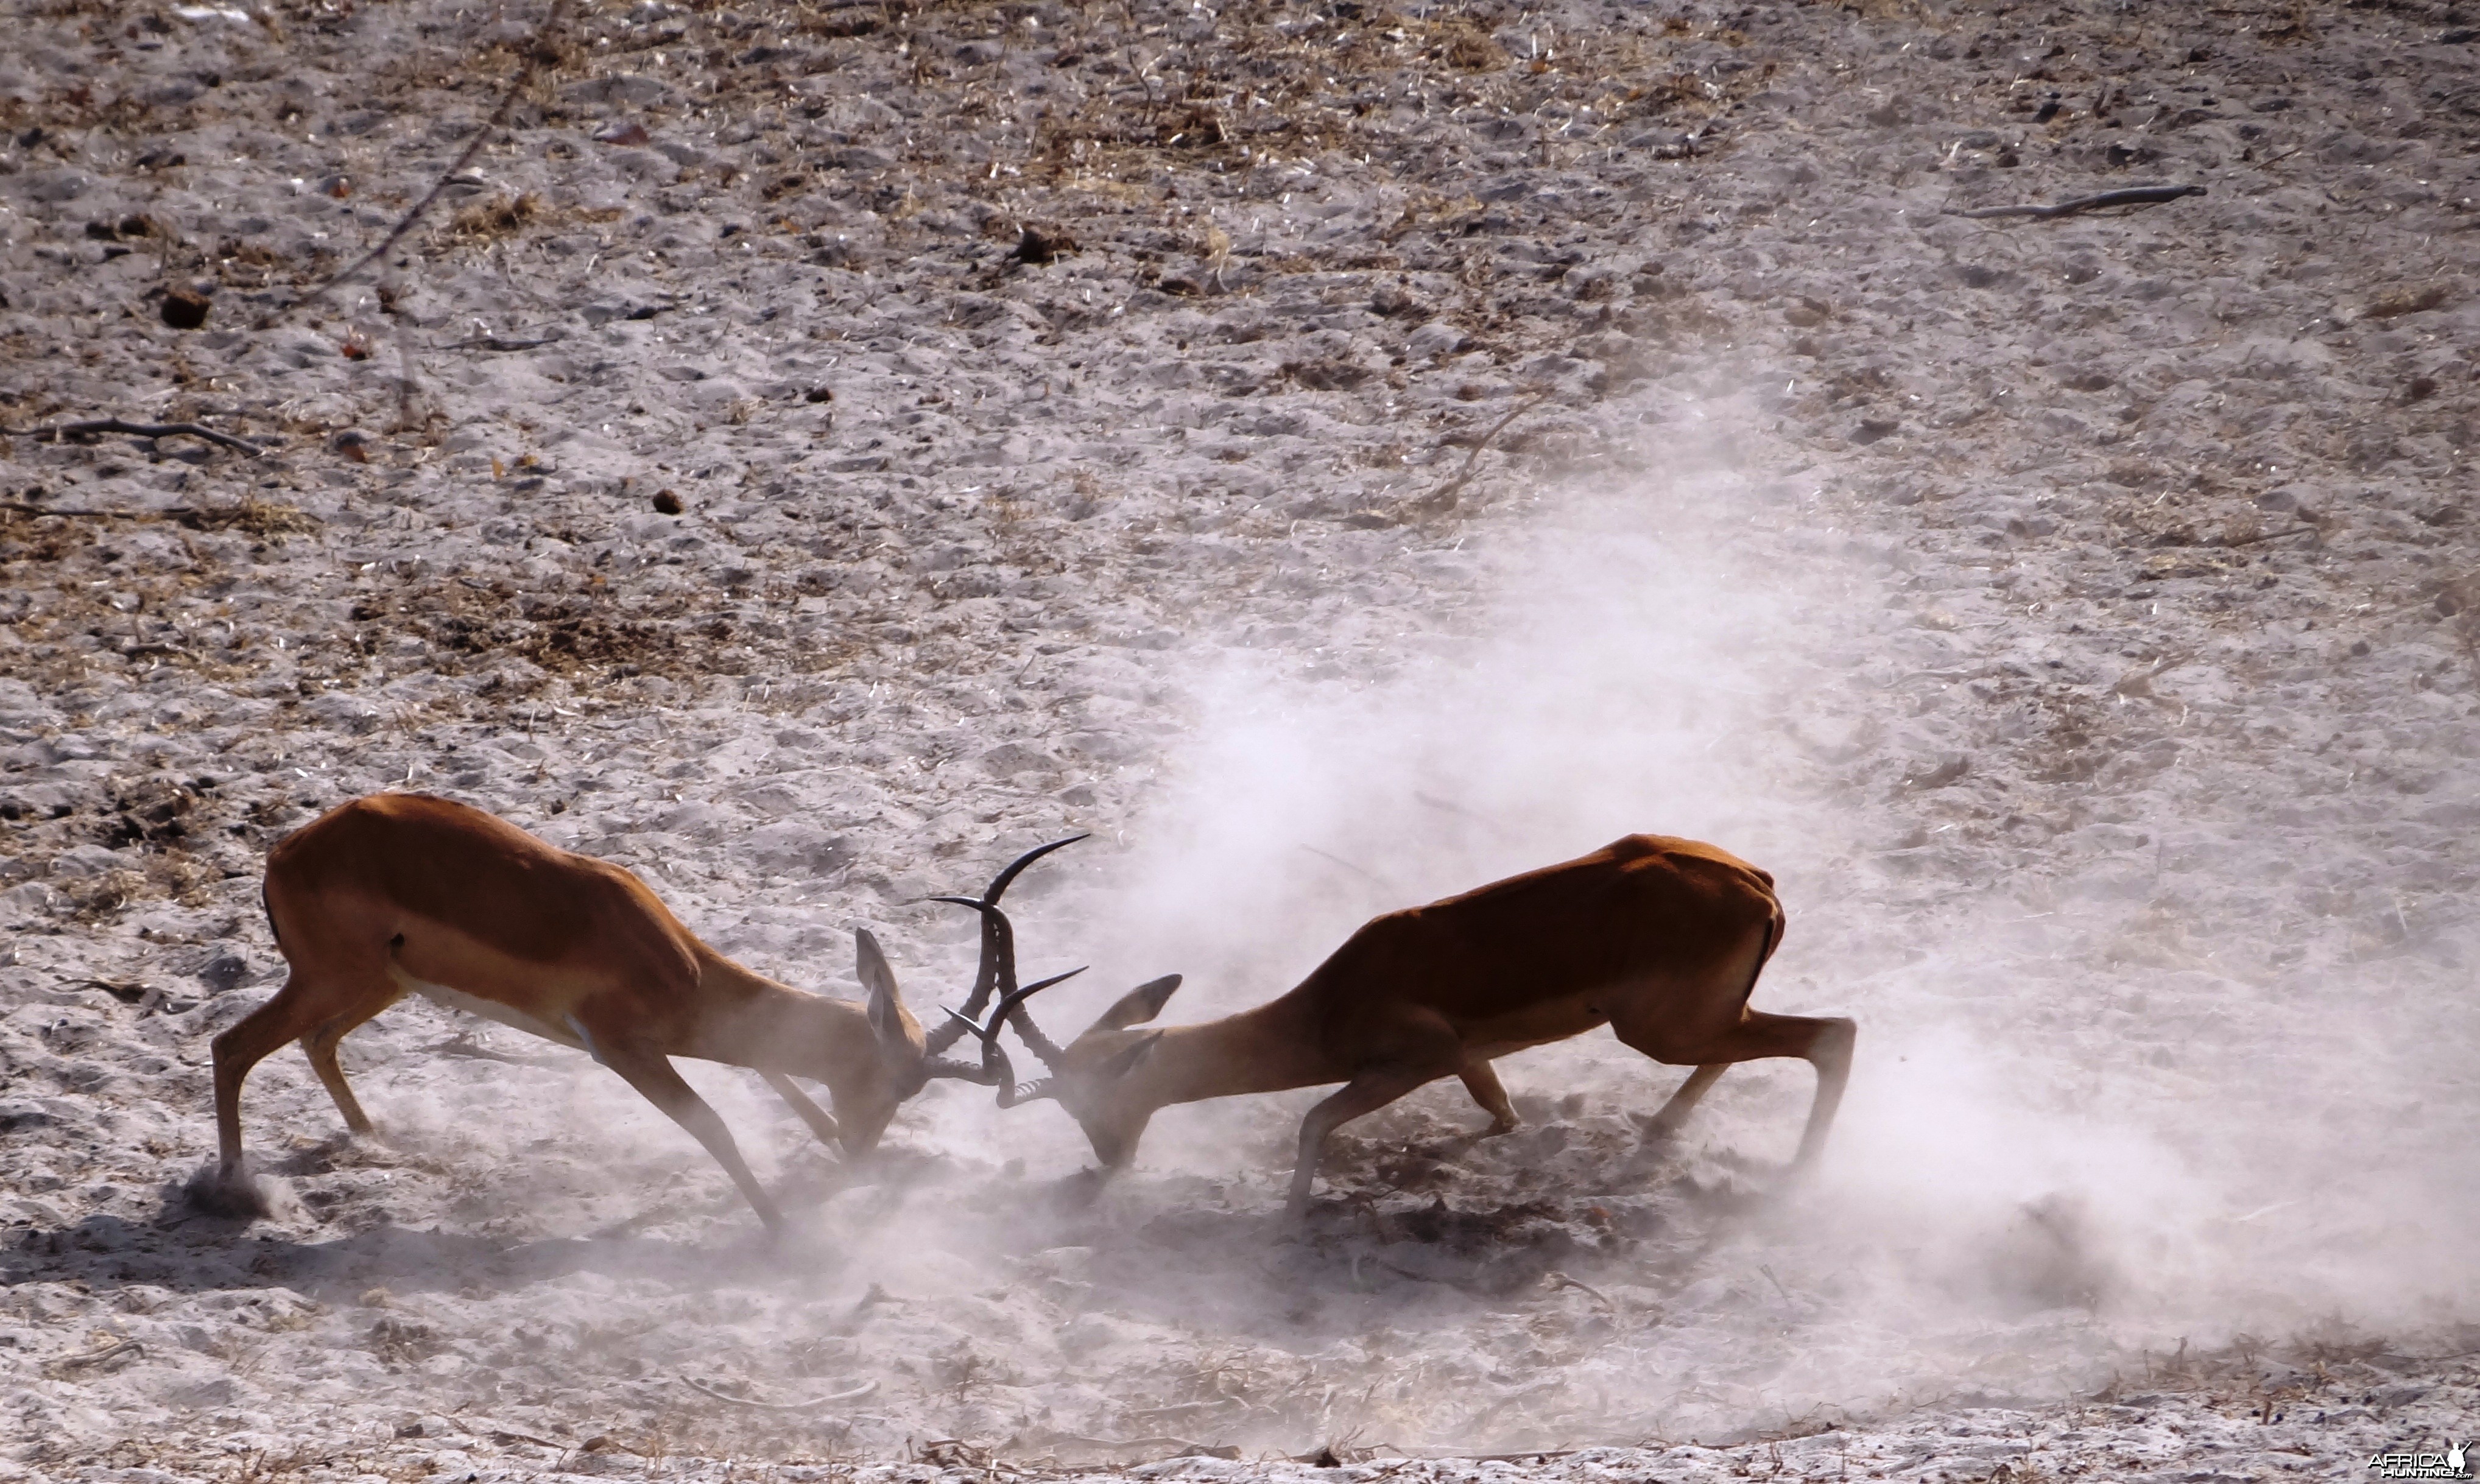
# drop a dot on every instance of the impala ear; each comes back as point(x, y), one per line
point(1139, 1005)
point(1125, 1062)
point(886, 1017)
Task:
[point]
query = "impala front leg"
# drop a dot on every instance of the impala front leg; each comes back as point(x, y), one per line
point(1480, 1079)
point(650, 1073)
point(821, 1122)
point(1372, 1089)
point(1665, 1123)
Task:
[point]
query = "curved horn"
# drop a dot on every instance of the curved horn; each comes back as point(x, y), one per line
point(1012, 1011)
point(996, 1070)
point(1000, 882)
point(995, 971)
point(997, 967)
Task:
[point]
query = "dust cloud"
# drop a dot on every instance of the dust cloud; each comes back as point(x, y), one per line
point(830, 451)
point(2092, 1122)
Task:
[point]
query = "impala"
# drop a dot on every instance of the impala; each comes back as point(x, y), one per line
point(406, 893)
point(1660, 939)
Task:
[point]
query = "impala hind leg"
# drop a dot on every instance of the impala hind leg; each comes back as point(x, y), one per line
point(1372, 1089)
point(650, 1073)
point(299, 1008)
point(320, 1046)
point(1480, 1079)
point(1825, 1042)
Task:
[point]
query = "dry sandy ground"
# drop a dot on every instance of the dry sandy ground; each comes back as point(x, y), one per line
point(813, 451)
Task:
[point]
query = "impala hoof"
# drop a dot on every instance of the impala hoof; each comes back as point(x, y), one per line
point(1079, 1190)
point(1652, 1131)
point(238, 1196)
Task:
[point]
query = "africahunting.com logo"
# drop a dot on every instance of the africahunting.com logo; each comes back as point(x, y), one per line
point(2404, 1463)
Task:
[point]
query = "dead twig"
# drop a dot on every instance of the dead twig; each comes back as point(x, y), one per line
point(534, 53)
point(2132, 195)
point(57, 432)
point(2271, 535)
point(1371, 877)
point(854, 1395)
point(97, 1357)
point(504, 343)
point(1188, 1449)
point(1554, 1281)
point(168, 513)
point(1443, 497)
point(254, 516)
point(406, 388)
point(468, 1047)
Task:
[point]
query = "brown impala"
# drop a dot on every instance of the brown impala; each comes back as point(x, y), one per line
point(405, 893)
point(1659, 938)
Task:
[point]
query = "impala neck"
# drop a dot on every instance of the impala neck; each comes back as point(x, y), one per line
point(755, 1022)
point(1267, 1049)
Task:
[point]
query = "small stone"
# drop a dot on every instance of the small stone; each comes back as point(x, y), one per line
point(184, 309)
point(1435, 339)
point(1038, 244)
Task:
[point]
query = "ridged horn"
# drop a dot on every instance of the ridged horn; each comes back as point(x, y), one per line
point(996, 970)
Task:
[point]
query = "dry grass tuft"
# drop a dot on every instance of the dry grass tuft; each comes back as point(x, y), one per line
point(502, 215)
point(260, 518)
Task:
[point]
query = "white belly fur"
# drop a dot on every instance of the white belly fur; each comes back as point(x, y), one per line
point(488, 1009)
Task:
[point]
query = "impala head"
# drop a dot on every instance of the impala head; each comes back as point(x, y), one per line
point(870, 1089)
point(904, 1058)
point(1090, 1079)
point(1108, 1078)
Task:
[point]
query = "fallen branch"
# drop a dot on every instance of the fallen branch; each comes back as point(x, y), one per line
point(1444, 495)
point(2132, 195)
point(854, 1395)
point(58, 431)
point(534, 52)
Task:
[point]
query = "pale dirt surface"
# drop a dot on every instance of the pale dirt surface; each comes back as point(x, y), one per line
point(2078, 616)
